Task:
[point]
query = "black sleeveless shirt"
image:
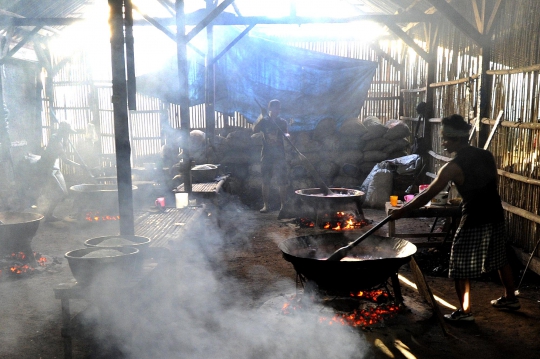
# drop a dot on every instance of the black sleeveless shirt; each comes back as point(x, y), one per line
point(481, 201)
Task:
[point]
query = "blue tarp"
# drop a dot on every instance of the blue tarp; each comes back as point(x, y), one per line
point(310, 85)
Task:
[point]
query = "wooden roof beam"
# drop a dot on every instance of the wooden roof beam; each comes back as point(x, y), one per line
point(38, 21)
point(300, 20)
point(492, 17)
point(21, 43)
point(409, 41)
point(164, 29)
point(208, 19)
point(459, 21)
point(381, 53)
point(239, 20)
point(228, 47)
point(167, 5)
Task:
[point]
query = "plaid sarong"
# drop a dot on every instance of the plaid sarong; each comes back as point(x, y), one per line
point(478, 250)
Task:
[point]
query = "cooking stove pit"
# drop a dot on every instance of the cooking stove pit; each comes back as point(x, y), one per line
point(365, 309)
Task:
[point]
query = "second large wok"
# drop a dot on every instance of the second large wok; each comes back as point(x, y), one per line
point(366, 266)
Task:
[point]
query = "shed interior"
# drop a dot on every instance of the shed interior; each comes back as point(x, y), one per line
point(81, 61)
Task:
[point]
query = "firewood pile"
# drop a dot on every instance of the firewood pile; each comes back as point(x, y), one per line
point(343, 156)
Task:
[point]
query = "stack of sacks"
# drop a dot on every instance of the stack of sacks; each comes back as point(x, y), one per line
point(343, 156)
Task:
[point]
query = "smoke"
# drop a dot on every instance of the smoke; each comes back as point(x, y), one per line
point(190, 308)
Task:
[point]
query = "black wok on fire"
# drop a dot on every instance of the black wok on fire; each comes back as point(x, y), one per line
point(366, 266)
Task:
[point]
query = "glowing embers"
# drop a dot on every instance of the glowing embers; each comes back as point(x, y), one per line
point(364, 309)
point(337, 221)
point(96, 216)
point(20, 263)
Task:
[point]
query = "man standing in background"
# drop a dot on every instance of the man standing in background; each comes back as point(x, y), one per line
point(273, 162)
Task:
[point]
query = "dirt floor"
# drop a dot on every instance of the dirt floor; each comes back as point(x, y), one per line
point(221, 296)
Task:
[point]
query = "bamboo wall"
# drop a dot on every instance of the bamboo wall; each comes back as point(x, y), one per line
point(79, 100)
point(514, 78)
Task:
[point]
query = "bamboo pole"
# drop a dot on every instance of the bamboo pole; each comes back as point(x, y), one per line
point(512, 124)
point(521, 212)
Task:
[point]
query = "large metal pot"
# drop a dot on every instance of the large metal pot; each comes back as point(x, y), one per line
point(367, 265)
point(97, 197)
point(17, 229)
point(204, 173)
point(339, 199)
point(113, 266)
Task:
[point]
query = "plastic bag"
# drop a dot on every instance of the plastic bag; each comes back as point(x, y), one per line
point(405, 165)
point(379, 189)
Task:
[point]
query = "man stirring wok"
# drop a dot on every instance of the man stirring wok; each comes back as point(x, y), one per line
point(479, 241)
point(45, 178)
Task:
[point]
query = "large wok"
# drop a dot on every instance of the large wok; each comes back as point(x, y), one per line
point(366, 266)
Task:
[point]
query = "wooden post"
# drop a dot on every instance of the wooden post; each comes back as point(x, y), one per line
point(5, 141)
point(484, 95)
point(210, 80)
point(430, 78)
point(130, 57)
point(121, 125)
point(185, 122)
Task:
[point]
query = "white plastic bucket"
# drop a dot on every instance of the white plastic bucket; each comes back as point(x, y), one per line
point(181, 200)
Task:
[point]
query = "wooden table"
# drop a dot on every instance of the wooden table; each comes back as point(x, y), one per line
point(170, 225)
point(208, 192)
point(447, 211)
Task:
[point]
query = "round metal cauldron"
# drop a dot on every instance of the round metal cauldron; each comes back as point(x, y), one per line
point(96, 188)
point(17, 229)
point(338, 199)
point(123, 240)
point(367, 265)
point(97, 197)
point(111, 267)
point(204, 173)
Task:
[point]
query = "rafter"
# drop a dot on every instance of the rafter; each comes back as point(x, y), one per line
point(6, 21)
point(164, 29)
point(383, 54)
point(492, 17)
point(21, 43)
point(42, 21)
point(458, 21)
point(300, 20)
point(409, 41)
point(479, 15)
point(232, 43)
point(211, 16)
